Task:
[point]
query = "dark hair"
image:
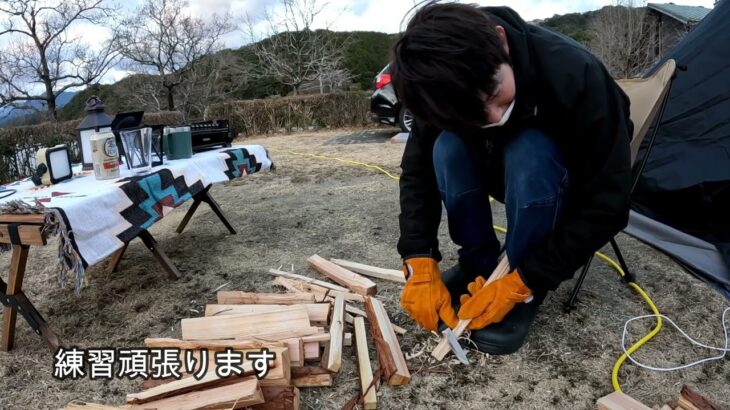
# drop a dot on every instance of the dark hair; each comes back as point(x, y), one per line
point(447, 55)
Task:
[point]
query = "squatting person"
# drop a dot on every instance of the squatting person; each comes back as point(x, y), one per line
point(514, 111)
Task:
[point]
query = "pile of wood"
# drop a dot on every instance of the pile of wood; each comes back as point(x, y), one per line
point(306, 329)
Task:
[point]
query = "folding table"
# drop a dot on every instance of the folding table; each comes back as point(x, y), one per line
point(96, 219)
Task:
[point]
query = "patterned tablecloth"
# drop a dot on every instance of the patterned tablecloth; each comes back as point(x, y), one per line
point(97, 217)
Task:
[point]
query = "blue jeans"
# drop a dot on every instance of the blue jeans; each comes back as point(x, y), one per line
point(526, 173)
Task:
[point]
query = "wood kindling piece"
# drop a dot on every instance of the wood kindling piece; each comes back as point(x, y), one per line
point(80, 405)
point(321, 294)
point(347, 341)
point(318, 312)
point(188, 384)
point(312, 351)
point(319, 338)
point(311, 376)
point(620, 401)
point(246, 298)
point(443, 347)
point(238, 395)
point(371, 271)
point(370, 398)
point(280, 324)
point(357, 283)
point(691, 400)
point(279, 368)
point(214, 345)
point(296, 351)
point(392, 363)
point(294, 276)
point(332, 356)
point(279, 398)
point(358, 312)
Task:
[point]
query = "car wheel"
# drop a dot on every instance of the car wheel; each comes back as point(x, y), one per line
point(405, 119)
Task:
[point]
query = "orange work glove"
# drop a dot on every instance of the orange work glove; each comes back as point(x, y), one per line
point(424, 296)
point(490, 304)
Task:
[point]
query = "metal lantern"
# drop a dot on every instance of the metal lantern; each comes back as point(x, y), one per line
point(96, 120)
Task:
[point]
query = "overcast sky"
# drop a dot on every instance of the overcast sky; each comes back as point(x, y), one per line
point(386, 15)
point(357, 15)
point(379, 15)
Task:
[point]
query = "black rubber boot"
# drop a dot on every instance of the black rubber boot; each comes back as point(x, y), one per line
point(510, 334)
point(500, 338)
point(456, 281)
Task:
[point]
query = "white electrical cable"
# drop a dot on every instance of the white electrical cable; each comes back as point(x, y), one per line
point(693, 341)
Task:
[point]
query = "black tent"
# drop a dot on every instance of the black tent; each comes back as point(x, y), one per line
point(681, 204)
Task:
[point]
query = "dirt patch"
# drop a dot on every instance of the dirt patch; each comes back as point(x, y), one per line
point(335, 209)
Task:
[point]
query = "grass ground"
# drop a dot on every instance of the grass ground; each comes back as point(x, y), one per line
point(338, 210)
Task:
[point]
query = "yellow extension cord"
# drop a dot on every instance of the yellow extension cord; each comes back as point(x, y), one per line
point(614, 265)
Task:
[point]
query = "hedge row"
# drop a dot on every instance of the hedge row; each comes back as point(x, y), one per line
point(249, 117)
point(285, 114)
point(19, 144)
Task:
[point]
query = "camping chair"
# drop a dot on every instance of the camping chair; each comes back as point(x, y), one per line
point(648, 96)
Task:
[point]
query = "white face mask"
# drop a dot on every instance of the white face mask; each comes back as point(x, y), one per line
point(504, 119)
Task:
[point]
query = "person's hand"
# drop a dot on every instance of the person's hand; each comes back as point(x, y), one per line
point(490, 304)
point(424, 296)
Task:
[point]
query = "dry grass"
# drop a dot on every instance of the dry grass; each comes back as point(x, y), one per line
point(337, 210)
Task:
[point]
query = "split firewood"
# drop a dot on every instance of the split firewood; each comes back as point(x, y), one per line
point(372, 271)
point(318, 312)
point(332, 356)
point(320, 293)
point(279, 368)
point(357, 283)
point(235, 298)
point(691, 400)
point(279, 398)
point(319, 338)
point(392, 363)
point(443, 347)
point(306, 279)
point(311, 376)
point(281, 324)
point(370, 399)
point(188, 384)
point(80, 405)
point(312, 351)
point(620, 401)
point(214, 345)
point(358, 312)
point(238, 395)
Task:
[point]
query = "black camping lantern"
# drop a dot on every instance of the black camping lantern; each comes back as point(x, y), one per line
point(96, 120)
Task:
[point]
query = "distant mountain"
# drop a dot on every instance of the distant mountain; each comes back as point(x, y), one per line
point(366, 54)
point(10, 116)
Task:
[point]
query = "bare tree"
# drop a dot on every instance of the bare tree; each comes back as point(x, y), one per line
point(42, 57)
point(142, 92)
point(162, 38)
point(213, 79)
point(625, 38)
point(291, 51)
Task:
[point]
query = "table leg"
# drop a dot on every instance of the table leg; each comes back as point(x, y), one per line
point(218, 211)
point(15, 283)
point(204, 196)
point(186, 219)
point(116, 258)
point(160, 255)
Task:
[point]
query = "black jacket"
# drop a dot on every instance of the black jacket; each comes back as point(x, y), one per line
point(565, 91)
